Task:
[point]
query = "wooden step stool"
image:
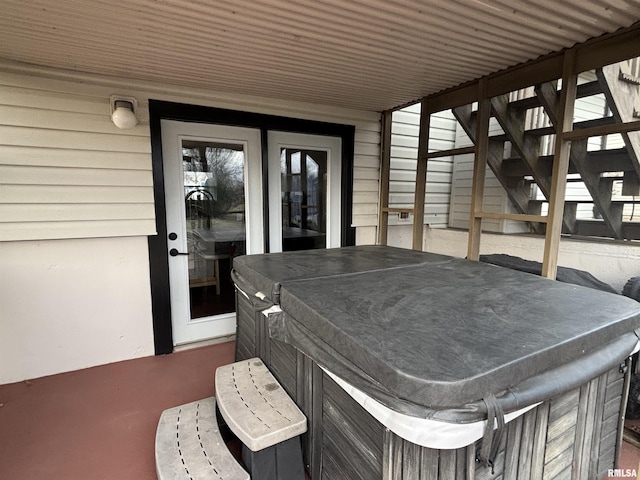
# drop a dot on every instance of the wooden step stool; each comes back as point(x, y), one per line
point(189, 445)
point(265, 419)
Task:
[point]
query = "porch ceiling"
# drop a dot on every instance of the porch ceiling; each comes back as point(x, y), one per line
point(366, 54)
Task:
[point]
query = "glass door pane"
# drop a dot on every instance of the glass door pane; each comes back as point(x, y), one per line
point(214, 205)
point(304, 198)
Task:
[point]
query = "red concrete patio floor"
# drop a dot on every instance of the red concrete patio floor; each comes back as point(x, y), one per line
point(100, 423)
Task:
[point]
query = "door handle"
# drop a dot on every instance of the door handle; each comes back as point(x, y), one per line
point(174, 252)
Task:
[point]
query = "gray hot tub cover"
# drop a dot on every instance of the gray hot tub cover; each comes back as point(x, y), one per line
point(431, 335)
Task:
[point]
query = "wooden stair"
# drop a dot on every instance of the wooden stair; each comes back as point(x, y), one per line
point(526, 165)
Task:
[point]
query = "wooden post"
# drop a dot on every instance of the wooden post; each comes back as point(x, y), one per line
point(479, 171)
point(421, 177)
point(560, 166)
point(385, 172)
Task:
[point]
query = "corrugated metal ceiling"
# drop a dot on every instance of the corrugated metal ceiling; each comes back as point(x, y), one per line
point(366, 54)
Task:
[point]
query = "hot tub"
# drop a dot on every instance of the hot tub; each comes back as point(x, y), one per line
point(398, 358)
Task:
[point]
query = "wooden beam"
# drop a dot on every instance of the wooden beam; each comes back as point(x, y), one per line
point(620, 96)
point(385, 174)
point(560, 166)
point(479, 171)
point(451, 152)
point(453, 97)
point(614, 47)
point(547, 94)
point(421, 177)
point(600, 188)
point(608, 49)
point(398, 210)
point(512, 122)
point(602, 130)
point(520, 217)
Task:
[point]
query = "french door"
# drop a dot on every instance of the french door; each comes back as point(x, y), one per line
point(215, 211)
point(304, 191)
point(213, 196)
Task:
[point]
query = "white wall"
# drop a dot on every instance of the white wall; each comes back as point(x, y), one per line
point(71, 304)
point(611, 262)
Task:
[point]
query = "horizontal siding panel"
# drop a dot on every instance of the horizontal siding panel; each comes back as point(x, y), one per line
point(84, 229)
point(16, 136)
point(30, 156)
point(440, 167)
point(435, 208)
point(75, 194)
point(402, 187)
point(365, 186)
point(72, 121)
point(405, 116)
point(364, 220)
point(405, 199)
point(405, 129)
point(60, 102)
point(364, 209)
point(365, 173)
point(404, 164)
point(436, 175)
point(74, 212)
point(368, 149)
point(371, 161)
point(403, 152)
point(438, 145)
point(404, 141)
point(413, 108)
point(365, 136)
point(402, 176)
point(365, 197)
point(18, 175)
point(364, 125)
point(435, 188)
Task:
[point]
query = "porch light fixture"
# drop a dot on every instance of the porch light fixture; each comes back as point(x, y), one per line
point(123, 111)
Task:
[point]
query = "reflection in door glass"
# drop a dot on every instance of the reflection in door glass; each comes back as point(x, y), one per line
point(304, 199)
point(215, 222)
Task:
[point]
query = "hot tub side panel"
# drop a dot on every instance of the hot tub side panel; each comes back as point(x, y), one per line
point(575, 436)
point(246, 324)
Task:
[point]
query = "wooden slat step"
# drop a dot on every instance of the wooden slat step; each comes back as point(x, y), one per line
point(577, 126)
point(189, 445)
point(597, 228)
point(614, 160)
point(255, 406)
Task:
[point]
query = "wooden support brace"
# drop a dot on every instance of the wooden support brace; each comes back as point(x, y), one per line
point(479, 169)
point(385, 174)
point(421, 178)
point(560, 167)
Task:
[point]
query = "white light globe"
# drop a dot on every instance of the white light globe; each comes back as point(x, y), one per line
point(123, 116)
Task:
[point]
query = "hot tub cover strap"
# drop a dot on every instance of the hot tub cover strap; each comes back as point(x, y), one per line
point(492, 436)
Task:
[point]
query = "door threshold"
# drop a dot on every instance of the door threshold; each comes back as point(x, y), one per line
point(204, 343)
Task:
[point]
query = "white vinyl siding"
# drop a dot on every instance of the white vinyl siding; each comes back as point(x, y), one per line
point(405, 129)
point(67, 172)
point(366, 174)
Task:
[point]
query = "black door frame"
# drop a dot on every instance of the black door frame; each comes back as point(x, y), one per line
point(158, 249)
